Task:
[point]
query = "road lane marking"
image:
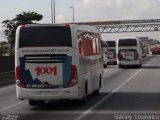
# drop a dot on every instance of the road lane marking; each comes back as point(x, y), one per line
point(5, 88)
point(6, 72)
point(105, 70)
point(91, 109)
point(11, 106)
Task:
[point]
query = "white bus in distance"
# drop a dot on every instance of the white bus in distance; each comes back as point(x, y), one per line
point(129, 51)
point(112, 59)
point(105, 53)
point(57, 61)
point(145, 49)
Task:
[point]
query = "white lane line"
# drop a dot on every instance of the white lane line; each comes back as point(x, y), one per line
point(106, 70)
point(5, 88)
point(6, 72)
point(11, 106)
point(91, 109)
point(106, 97)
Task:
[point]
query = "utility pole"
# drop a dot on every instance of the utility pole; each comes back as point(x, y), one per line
point(53, 11)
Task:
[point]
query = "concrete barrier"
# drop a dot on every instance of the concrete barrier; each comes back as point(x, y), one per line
point(7, 78)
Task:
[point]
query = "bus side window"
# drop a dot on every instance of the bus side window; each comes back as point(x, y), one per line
point(89, 44)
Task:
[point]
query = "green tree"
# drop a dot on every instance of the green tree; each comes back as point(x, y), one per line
point(3, 48)
point(155, 42)
point(20, 19)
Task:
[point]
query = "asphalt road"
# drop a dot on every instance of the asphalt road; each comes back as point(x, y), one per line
point(127, 94)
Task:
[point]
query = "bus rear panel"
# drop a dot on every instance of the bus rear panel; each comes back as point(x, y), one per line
point(45, 62)
point(129, 52)
point(53, 62)
point(112, 59)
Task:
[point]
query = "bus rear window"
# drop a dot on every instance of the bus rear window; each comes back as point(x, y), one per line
point(111, 43)
point(127, 42)
point(45, 36)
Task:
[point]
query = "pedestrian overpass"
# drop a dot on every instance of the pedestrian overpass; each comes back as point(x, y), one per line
point(147, 25)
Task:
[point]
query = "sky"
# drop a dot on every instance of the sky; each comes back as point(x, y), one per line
point(86, 11)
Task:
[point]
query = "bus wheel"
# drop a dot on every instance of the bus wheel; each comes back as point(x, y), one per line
point(120, 66)
point(105, 65)
point(139, 66)
point(96, 92)
point(83, 101)
point(35, 102)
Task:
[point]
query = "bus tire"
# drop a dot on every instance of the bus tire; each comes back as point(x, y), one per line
point(83, 101)
point(105, 65)
point(35, 102)
point(139, 66)
point(96, 92)
point(120, 66)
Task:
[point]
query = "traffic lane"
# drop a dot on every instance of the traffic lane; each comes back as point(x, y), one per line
point(113, 78)
point(7, 89)
point(147, 80)
point(90, 111)
point(136, 97)
point(72, 105)
point(141, 95)
point(7, 96)
point(59, 109)
point(72, 114)
point(63, 109)
point(116, 78)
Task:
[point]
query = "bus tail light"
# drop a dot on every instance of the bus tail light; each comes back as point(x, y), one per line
point(18, 77)
point(68, 25)
point(73, 81)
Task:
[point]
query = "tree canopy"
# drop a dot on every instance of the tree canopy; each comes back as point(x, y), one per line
point(20, 19)
point(155, 42)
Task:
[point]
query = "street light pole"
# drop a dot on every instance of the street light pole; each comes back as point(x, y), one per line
point(53, 10)
point(73, 13)
point(54, 4)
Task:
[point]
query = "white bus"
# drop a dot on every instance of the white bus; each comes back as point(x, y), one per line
point(129, 51)
point(105, 53)
point(145, 49)
point(57, 61)
point(112, 59)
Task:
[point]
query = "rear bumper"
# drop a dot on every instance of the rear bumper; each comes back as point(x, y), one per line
point(114, 60)
point(137, 62)
point(155, 52)
point(48, 94)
